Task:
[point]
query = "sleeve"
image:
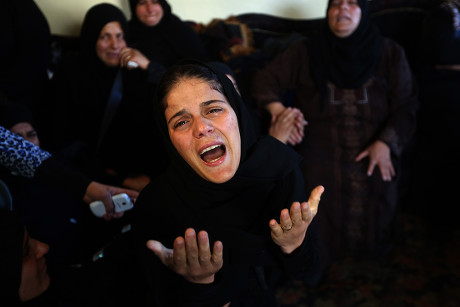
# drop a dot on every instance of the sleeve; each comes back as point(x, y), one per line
point(19, 155)
point(31, 161)
point(279, 75)
point(402, 96)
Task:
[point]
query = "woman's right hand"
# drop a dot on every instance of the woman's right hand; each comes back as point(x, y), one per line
point(191, 256)
point(133, 55)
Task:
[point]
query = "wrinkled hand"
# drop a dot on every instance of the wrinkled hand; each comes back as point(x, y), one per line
point(98, 191)
point(287, 124)
point(193, 261)
point(282, 124)
point(379, 154)
point(290, 232)
point(297, 133)
point(130, 54)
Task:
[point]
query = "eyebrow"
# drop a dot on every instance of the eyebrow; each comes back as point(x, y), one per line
point(203, 104)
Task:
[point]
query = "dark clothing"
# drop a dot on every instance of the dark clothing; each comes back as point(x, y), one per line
point(82, 89)
point(236, 212)
point(25, 53)
point(357, 213)
point(11, 253)
point(170, 41)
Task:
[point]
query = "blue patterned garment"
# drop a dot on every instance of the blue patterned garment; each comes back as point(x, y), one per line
point(19, 155)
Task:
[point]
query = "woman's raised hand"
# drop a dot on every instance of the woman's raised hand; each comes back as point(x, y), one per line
point(191, 256)
point(290, 232)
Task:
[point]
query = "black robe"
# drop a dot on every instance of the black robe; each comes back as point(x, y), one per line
point(236, 212)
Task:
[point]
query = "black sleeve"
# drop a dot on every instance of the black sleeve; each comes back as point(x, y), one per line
point(55, 172)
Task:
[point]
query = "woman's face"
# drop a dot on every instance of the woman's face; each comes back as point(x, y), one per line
point(25, 130)
point(149, 12)
point(109, 44)
point(204, 129)
point(34, 277)
point(344, 17)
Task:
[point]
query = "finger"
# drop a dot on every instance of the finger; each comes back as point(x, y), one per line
point(191, 247)
point(285, 220)
point(307, 214)
point(204, 252)
point(296, 213)
point(163, 253)
point(179, 254)
point(315, 197)
point(275, 228)
point(362, 155)
point(371, 167)
point(217, 254)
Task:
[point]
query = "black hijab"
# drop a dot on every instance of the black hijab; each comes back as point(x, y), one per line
point(95, 20)
point(170, 41)
point(240, 203)
point(11, 241)
point(350, 61)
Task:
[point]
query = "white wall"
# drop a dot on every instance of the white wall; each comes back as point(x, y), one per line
point(65, 16)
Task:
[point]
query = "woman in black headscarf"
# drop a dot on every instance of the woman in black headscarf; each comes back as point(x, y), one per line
point(102, 108)
point(162, 36)
point(356, 91)
point(225, 187)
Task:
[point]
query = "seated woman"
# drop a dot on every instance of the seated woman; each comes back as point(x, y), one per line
point(102, 108)
point(161, 35)
point(225, 188)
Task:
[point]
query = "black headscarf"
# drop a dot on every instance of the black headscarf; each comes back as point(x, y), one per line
point(95, 20)
point(350, 61)
point(170, 41)
point(11, 241)
point(12, 113)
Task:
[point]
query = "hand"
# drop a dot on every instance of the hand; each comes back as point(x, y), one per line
point(130, 54)
point(379, 154)
point(98, 191)
point(191, 260)
point(290, 232)
point(297, 134)
point(281, 125)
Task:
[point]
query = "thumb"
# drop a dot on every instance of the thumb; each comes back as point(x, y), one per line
point(315, 197)
point(159, 250)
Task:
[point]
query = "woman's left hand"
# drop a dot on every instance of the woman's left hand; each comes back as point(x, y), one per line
point(379, 155)
point(290, 232)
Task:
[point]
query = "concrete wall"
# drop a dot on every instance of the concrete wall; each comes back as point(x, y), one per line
point(65, 16)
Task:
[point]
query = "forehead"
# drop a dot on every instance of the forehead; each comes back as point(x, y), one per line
point(191, 91)
point(113, 27)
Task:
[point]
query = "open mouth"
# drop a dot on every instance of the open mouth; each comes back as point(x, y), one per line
point(212, 153)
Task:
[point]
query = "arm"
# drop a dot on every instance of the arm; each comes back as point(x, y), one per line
point(273, 81)
point(31, 161)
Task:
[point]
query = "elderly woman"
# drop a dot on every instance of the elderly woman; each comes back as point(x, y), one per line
point(215, 231)
point(356, 91)
point(162, 36)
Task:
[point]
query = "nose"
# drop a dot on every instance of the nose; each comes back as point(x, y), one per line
point(150, 6)
point(114, 42)
point(202, 127)
point(344, 4)
point(41, 249)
